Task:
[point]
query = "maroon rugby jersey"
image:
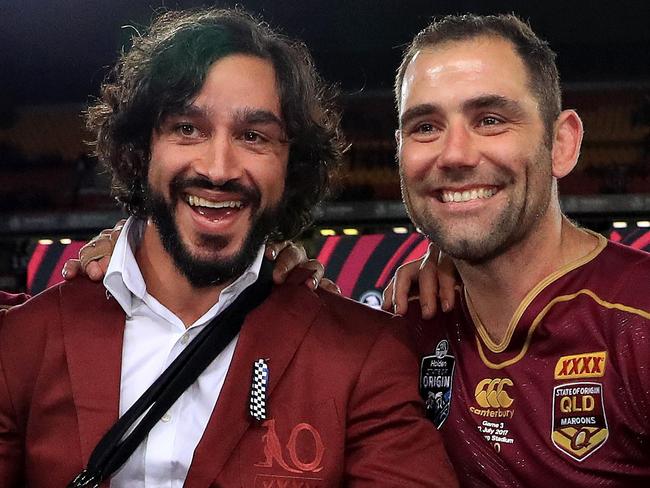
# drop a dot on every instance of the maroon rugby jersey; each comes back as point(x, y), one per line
point(566, 397)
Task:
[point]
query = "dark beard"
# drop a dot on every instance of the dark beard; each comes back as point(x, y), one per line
point(202, 273)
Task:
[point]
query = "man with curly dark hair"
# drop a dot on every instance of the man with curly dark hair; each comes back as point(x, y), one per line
point(186, 367)
point(156, 82)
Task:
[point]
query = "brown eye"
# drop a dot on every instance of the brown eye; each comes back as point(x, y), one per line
point(250, 136)
point(424, 131)
point(187, 130)
point(486, 121)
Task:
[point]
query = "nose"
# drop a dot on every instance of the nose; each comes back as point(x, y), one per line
point(219, 162)
point(458, 147)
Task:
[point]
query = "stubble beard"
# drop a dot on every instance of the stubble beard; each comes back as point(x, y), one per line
point(515, 221)
point(205, 272)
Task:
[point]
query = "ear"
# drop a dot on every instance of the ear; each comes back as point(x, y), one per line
point(398, 138)
point(567, 139)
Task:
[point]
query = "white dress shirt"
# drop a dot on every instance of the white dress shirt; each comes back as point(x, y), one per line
point(153, 338)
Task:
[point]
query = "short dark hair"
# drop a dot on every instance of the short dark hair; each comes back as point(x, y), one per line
point(535, 53)
point(166, 67)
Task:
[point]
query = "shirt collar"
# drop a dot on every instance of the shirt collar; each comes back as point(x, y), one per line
point(126, 284)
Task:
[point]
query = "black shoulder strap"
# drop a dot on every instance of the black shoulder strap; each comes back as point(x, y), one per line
point(116, 447)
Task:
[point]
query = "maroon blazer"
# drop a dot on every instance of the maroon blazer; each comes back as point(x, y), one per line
point(8, 300)
point(343, 402)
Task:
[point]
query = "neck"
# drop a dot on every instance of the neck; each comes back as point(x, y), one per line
point(168, 285)
point(497, 287)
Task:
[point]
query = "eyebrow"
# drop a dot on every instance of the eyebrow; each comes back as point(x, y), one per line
point(244, 115)
point(257, 116)
point(493, 101)
point(418, 111)
point(190, 111)
point(477, 103)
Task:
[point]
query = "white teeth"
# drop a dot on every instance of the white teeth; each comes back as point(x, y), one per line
point(195, 201)
point(467, 195)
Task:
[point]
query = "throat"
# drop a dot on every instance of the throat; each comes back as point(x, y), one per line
point(497, 332)
point(497, 327)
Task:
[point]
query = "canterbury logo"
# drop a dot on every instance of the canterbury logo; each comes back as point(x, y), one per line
point(589, 365)
point(491, 393)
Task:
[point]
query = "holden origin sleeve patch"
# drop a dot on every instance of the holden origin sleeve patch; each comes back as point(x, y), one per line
point(436, 380)
point(579, 422)
point(589, 365)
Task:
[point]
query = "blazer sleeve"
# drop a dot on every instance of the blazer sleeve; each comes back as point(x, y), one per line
point(8, 300)
point(11, 439)
point(389, 441)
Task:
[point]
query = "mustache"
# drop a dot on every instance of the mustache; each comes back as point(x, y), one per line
point(248, 193)
point(456, 176)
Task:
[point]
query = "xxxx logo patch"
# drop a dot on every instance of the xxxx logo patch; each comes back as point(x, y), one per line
point(579, 421)
point(589, 365)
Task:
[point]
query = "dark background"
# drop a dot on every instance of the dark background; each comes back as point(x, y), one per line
point(56, 51)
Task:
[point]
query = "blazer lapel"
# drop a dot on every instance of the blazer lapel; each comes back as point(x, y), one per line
point(93, 330)
point(274, 332)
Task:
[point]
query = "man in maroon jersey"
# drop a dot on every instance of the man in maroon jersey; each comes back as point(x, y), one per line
point(542, 374)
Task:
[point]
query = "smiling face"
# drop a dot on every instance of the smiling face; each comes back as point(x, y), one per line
point(217, 171)
point(475, 168)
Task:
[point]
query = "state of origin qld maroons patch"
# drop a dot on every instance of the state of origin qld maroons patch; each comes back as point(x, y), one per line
point(436, 380)
point(579, 421)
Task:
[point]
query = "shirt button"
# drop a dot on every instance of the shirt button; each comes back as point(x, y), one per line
point(166, 418)
point(185, 338)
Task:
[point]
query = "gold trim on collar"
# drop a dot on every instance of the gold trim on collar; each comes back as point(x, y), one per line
point(542, 314)
point(500, 347)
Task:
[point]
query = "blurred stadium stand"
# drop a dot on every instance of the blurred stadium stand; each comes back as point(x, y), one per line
point(361, 265)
